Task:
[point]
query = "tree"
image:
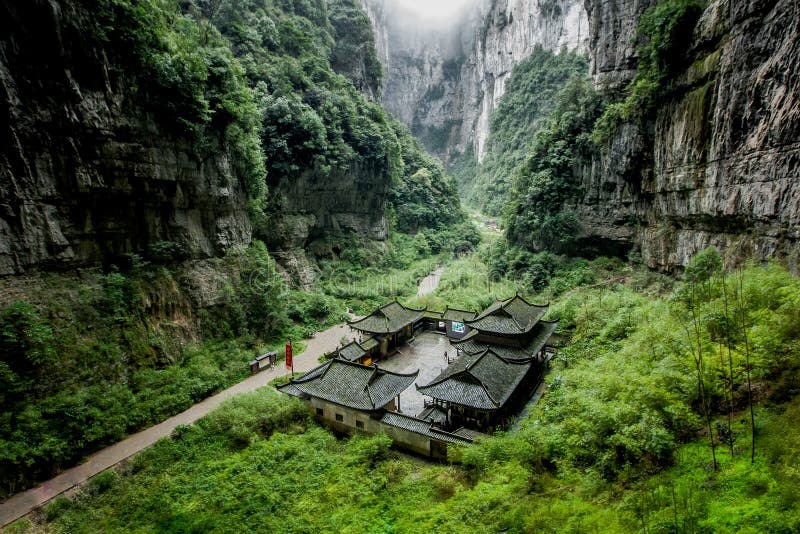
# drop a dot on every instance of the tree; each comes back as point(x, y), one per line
point(743, 324)
point(698, 278)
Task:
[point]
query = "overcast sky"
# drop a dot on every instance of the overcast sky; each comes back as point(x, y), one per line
point(433, 9)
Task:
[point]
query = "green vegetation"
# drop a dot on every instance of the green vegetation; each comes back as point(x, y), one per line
point(354, 54)
point(466, 284)
point(672, 407)
point(313, 120)
point(86, 360)
point(664, 32)
point(363, 279)
point(616, 445)
point(425, 201)
point(278, 85)
point(538, 216)
point(530, 96)
point(186, 76)
point(307, 64)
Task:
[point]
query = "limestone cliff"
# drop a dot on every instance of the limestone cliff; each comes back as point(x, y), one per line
point(718, 165)
point(315, 212)
point(86, 172)
point(444, 80)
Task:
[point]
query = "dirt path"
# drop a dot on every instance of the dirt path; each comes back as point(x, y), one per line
point(430, 283)
point(23, 503)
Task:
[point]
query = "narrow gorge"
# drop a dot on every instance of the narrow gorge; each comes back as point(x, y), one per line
point(399, 266)
point(444, 79)
point(713, 162)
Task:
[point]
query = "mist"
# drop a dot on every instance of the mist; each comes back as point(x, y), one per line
point(436, 10)
point(426, 15)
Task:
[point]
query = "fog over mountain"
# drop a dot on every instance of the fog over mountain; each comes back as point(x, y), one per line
point(439, 13)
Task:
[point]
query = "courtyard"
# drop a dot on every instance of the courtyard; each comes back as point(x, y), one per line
point(426, 353)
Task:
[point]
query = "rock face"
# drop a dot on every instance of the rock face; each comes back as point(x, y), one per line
point(444, 80)
point(612, 40)
point(86, 175)
point(719, 164)
point(315, 211)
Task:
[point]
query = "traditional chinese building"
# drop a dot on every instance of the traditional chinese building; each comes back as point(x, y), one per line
point(391, 325)
point(501, 356)
point(345, 394)
point(482, 390)
point(350, 397)
point(513, 322)
point(500, 362)
point(362, 352)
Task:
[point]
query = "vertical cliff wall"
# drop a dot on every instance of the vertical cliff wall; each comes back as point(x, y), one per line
point(444, 80)
point(87, 173)
point(718, 164)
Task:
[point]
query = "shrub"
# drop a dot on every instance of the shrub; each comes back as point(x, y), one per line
point(25, 340)
point(57, 507)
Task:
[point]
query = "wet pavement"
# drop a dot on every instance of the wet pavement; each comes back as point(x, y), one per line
point(425, 353)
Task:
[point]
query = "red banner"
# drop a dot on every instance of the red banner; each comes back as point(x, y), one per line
point(288, 355)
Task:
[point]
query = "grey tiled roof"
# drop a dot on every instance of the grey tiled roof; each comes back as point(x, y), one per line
point(353, 385)
point(470, 335)
point(448, 436)
point(453, 314)
point(351, 352)
point(289, 389)
point(406, 422)
point(369, 343)
point(421, 427)
point(510, 316)
point(541, 334)
point(388, 319)
point(484, 381)
point(434, 414)
point(468, 433)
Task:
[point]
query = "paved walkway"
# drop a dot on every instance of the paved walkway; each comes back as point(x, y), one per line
point(23, 503)
point(430, 282)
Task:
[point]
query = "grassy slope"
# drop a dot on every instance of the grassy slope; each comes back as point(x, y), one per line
point(614, 446)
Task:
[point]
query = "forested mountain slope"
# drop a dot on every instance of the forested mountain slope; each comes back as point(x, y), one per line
point(149, 149)
point(688, 135)
point(529, 98)
point(136, 123)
